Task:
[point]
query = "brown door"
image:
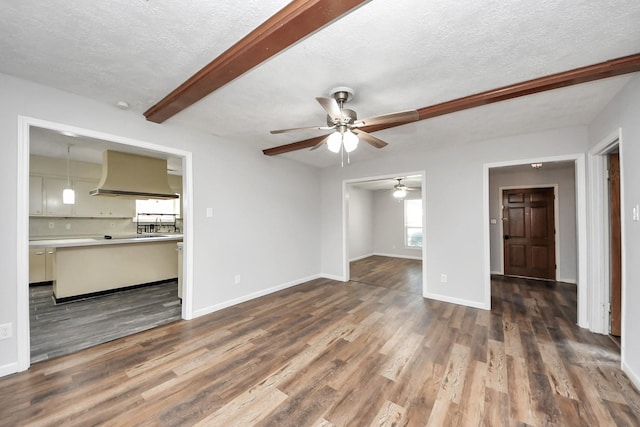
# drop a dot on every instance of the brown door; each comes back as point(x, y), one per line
point(616, 269)
point(529, 233)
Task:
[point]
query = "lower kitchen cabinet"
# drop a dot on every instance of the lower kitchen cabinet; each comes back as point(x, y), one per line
point(42, 265)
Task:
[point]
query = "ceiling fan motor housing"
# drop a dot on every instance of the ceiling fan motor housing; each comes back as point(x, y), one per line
point(350, 116)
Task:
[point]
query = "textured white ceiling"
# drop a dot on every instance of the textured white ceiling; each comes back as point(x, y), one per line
point(397, 55)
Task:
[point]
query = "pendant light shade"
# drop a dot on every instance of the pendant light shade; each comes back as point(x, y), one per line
point(400, 194)
point(334, 142)
point(68, 195)
point(350, 141)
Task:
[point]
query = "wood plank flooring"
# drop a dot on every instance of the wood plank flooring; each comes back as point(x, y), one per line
point(327, 353)
point(59, 329)
point(392, 273)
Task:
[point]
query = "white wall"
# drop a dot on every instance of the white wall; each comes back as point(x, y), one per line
point(266, 223)
point(360, 223)
point(564, 178)
point(454, 205)
point(388, 226)
point(624, 113)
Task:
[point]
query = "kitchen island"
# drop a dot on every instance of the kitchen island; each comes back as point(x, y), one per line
point(93, 265)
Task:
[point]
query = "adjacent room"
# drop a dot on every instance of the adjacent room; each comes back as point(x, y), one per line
point(320, 213)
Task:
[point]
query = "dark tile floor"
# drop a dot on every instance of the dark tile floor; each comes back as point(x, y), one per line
point(58, 329)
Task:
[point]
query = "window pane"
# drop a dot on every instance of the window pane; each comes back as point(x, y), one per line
point(413, 213)
point(414, 237)
point(413, 223)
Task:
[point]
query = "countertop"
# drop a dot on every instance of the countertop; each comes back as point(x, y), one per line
point(65, 242)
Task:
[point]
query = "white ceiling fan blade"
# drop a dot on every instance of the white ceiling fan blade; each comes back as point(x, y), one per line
point(302, 129)
point(319, 144)
point(370, 139)
point(399, 117)
point(331, 106)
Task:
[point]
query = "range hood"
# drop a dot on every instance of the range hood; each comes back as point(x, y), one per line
point(133, 177)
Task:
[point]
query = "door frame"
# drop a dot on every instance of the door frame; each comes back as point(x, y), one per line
point(581, 227)
point(345, 222)
point(23, 332)
point(556, 219)
point(599, 236)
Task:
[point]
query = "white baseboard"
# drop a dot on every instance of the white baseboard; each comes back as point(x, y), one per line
point(633, 376)
point(498, 273)
point(225, 304)
point(572, 281)
point(361, 257)
point(8, 369)
point(459, 301)
point(332, 277)
point(399, 256)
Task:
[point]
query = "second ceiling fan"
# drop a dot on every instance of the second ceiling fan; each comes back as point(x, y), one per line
point(346, 125)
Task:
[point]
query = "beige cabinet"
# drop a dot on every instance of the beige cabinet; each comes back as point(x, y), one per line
point(100, 206)
point(35, 195)
point(53, 188)
point(42, 265)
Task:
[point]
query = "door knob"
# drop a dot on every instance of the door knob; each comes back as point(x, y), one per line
point(506, 237)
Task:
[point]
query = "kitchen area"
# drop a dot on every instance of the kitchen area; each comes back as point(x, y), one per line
point(113, 244)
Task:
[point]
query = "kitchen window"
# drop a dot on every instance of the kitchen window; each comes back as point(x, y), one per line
point(166, 210)
point(413, 223)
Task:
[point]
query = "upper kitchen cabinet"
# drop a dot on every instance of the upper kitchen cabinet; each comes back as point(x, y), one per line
point(35, 195)
point(100, 206)
point(53, 188)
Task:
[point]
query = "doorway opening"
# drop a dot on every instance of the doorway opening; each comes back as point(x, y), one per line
point(90, 140)
point(567, 172)
point(384, 232)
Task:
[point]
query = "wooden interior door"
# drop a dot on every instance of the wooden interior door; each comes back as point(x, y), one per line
point(529, 233)
point(615, 242)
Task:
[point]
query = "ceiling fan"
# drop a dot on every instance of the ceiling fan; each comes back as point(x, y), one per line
point(400, 190)
point(346, 125)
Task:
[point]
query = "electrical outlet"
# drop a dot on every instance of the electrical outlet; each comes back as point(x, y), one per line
point(6, 331)
point(237, 279)
point(67, 226)
point(52, 225)
point(443, 278)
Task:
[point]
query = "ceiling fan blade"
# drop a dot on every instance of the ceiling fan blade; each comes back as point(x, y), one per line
point(370, 139)
point(302, 129)
point(331, 106)
point(319, 144)
point(399, 117)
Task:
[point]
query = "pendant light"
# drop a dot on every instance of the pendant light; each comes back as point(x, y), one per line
point(68, 195)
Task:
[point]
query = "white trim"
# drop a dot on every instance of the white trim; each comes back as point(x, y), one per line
point(331, 277)
point(581, 227)
point(459, 301)
point(358, 258)
point(22, 226)
point(633, 376)
point(253, 295)
point(8, 369)
point(398, 256)
point(556, 219)
point(599, 280)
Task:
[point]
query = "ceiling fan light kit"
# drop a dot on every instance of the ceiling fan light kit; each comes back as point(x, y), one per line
point(345, 124)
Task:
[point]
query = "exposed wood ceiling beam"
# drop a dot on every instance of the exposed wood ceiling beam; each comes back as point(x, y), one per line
point(291, 24)
point(602, 70)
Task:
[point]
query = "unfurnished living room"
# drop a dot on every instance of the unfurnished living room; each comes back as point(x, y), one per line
point(320, 213)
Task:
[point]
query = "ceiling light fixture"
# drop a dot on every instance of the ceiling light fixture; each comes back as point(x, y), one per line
point(68, 195)
point(536, 165)
point(399, 190)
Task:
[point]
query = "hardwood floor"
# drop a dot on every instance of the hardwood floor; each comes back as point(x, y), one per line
point(327, 353)
point(59, 329)
point(392, 273)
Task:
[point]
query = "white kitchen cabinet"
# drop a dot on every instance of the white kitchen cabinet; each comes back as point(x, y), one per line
point(42, 265)
point(53, 188)
point(35, 195)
